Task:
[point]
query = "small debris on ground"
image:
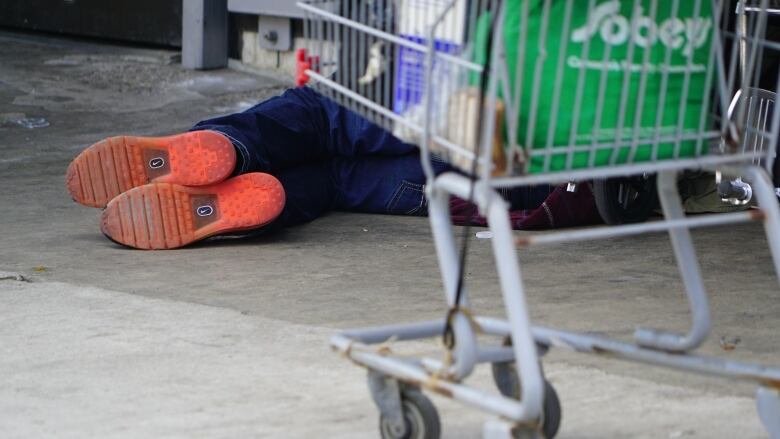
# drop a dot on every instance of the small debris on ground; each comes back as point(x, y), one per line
point(31, 122)
point(729, 343)
point(13, 276)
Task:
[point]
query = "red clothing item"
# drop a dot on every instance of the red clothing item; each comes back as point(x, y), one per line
point(560, 209)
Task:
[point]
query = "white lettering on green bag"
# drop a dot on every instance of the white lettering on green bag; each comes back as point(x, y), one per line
point(628, 82)
point(689, 34)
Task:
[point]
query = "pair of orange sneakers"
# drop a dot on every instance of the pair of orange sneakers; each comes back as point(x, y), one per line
point(167, 192)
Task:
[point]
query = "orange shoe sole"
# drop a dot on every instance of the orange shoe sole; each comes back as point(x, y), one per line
point(117, 164)
point(165, 216)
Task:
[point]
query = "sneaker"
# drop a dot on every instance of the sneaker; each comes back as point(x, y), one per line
point(117, 164)
point(165, 216)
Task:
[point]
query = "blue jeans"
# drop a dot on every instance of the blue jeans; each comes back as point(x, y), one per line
point(329, 158)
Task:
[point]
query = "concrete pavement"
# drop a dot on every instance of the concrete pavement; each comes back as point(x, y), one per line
point(229, 338)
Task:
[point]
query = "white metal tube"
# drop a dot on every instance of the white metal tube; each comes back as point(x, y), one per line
point(626, 351)
point(617, 171)
point(636, 229)
point(688, 265)
point(401, 332)
point(443, 237)
point(500, 405)
point(508, 267)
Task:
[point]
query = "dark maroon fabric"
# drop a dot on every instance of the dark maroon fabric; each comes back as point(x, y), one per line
point(560, 209)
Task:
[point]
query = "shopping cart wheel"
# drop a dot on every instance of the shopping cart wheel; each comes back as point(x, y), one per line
point(626, 199)
point(505, 377)
point(420, 416)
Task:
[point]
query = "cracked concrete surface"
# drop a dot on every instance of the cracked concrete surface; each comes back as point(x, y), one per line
point(229, 337)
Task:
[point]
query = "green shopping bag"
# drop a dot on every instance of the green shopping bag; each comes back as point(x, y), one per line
point(672, 41)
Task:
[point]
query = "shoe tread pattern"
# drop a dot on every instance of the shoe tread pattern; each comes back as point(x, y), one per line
point(118, 164)
point(165, 216)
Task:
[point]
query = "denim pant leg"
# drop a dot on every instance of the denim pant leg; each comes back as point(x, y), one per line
point(301, 126)
point(310, 192)
point(377, 184)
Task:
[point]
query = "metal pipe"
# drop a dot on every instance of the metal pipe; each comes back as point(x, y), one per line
point(417, 376)
point(636, 229)
point(688, 265)
point(618, 171)
point(713, 366)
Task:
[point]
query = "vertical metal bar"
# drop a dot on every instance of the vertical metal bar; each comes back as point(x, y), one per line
point(559, 73)
point(353, 62)
point(509, 274)
point(519, 84)
point(538, 70)
point(706, 110)
point(624, 91)
point(688, 265)
point(321, 46)
point(724, 77)
point(758, 24)
point(398, 80)
point(489, 110)
point(759, 30)
point(600, 106)
point(683, 107)
point(444, 240)
point(751, 124)
point(361, 52)
point(640, 105)
point(663, 91)
point(764, 146)
point(513, 292)
point(575, 121)
point(343, 50)
point(389, 61)
point(737, 58)
point(328, 56)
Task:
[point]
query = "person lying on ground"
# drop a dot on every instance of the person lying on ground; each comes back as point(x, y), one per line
point(281, 163)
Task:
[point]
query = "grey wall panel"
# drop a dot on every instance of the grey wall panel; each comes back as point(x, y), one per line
point(279, 8)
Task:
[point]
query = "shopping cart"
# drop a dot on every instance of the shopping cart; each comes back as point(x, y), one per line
point(544, 91)
point(752, 106)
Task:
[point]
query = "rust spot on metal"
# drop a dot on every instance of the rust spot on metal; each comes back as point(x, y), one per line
point(757, 215)
point(523, 241)
point(441, 391)
point(431, 385)
point(411, 382)
point(601, 351)
point(769, 382)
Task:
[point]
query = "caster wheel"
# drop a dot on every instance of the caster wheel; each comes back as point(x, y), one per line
point(505, 377)
point(420, 416)
point(626, 200)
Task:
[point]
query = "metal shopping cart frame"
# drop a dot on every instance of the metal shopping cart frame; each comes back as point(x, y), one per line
point(525, 410)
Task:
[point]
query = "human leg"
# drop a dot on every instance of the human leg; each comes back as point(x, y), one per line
point(301, 126)
point(381, 184)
